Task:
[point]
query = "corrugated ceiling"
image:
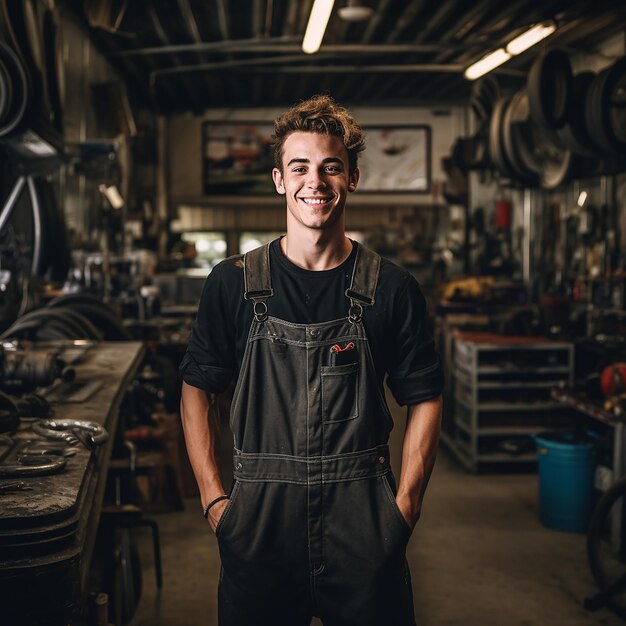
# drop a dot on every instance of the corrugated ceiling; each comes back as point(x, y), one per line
point(187, 55)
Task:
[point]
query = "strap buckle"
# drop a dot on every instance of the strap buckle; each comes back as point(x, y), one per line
point(261, 294)
point(354, 295)
point(355, 313)
point(260, 310)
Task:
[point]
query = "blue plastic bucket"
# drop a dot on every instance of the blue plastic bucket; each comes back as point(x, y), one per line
point(567, 464)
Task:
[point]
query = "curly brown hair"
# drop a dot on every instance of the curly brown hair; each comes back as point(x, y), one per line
point(319, 114)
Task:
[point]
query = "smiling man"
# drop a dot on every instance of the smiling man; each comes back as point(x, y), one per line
point(309, 326)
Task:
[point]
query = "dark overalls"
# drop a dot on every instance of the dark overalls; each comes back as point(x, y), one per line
point(312, 526)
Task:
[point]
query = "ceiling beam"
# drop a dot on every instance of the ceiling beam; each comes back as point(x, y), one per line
point(449, 68)
point(255, 46)
point(222, 20)
point(189, 93)
point(307, 69)
point(257, 18)
point(410, 13)
point(375, 20)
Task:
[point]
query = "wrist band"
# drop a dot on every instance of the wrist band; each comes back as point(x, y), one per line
point(205, 510)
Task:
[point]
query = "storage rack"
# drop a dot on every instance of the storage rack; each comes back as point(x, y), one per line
point(501, 395)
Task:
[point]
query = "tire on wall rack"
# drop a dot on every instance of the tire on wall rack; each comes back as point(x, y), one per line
point(574, 134)
point(516, 132)
point(64, 323)
point(17, 90)
point(496, 148)
point(56, 258)
point(605, 109)
point(607, 561)
point(484, 94)
point(101, 315)
point(548, 87)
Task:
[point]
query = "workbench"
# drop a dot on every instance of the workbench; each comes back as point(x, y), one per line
point(47, 532)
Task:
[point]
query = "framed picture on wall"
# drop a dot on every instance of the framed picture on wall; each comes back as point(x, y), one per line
point(237, 158)
point(396, 159)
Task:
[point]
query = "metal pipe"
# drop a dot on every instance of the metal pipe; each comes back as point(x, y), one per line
point(191, 94)
point(161, 214)
point(33, 466)
point(285, 45)
point(268, 18)
point(409, 15)
point(222, 19)
point(257, 19)
point(310, 69)
point(68, 430)
point(446, 9)
point(7, 209)
point(290, 22)
point(37, 225)
point(375, 69)
point(527, 224)
point(375, 21)
point(190, 21)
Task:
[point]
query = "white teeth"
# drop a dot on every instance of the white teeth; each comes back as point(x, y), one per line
point(314, 200)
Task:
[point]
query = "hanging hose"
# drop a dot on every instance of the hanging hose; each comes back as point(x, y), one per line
point(67, 323)
point(70, 431)
point(33, 465)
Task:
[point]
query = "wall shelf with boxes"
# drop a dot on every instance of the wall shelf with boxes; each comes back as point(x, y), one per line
point(501, 395)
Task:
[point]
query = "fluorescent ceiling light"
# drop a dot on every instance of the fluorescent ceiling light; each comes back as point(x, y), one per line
point(318, 20)
point(532, 36)
point(522, 42)
point(486, 64)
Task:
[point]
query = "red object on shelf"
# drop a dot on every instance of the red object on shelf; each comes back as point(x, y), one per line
point(503, 214)
point(613, 379)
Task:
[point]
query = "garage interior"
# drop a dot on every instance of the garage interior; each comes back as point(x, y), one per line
point(136, 155)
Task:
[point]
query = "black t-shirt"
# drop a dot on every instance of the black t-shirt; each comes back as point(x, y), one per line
point(395, 325)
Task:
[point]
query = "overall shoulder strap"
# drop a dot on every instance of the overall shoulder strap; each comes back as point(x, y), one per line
point(257, 279)
point(364, 280)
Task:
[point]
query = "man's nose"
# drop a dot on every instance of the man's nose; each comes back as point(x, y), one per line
point(316, 180)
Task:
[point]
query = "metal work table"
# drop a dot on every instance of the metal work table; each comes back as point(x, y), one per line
point(593, 409)
point(47, 533)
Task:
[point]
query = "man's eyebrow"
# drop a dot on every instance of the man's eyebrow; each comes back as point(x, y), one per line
point(326, 160)
point(299, 160)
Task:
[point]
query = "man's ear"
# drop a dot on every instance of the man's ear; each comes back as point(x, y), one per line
point(277, 177)
point(353, 179)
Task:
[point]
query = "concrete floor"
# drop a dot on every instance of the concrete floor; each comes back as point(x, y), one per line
point(478, 556)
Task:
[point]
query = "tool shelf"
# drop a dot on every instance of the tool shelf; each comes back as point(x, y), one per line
point(501, 395)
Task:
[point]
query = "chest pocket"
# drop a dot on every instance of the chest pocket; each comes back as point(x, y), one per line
point(340, 392)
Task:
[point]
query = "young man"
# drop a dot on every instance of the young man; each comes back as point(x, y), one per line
point(309, 326)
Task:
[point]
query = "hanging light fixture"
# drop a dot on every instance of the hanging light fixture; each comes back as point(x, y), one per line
point(316, 27)
point(486, 64)
point(531, 37)
point(516, 46)
point(355, 12)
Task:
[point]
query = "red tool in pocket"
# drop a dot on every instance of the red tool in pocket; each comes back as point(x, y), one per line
point(343, 355)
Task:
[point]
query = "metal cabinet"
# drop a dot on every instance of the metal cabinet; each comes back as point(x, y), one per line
point(501, 395)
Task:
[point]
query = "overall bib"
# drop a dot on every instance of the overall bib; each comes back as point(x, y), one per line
point(312, 527)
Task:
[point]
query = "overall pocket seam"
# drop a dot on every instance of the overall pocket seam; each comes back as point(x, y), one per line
point(229, 506)
point(334, 371)
point(392, 500)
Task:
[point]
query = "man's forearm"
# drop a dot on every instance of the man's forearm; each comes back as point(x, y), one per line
point(419, 450)
point(200, 419)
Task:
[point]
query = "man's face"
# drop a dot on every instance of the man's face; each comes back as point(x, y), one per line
point(315, 180)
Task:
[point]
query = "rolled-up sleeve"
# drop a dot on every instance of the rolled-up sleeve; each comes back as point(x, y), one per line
point(415, 373)
point(209, 362)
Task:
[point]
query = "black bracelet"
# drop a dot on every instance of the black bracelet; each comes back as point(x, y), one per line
point(205, 510)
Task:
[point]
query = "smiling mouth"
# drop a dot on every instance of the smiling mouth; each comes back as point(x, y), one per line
point(315, 201)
